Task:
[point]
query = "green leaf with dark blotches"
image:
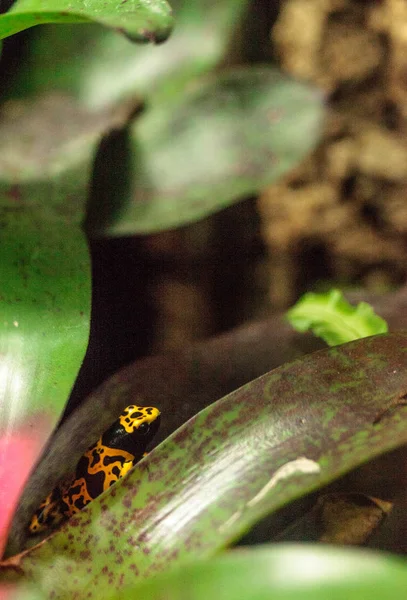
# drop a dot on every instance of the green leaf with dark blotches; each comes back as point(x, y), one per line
point(181, 383)
point(275, 439)
point(139, 20)
point(210, 145)
point(281, 572)
point(332, 318)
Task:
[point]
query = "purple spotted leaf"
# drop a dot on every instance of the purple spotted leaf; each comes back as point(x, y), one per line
point(189, 380)
point(281, 436)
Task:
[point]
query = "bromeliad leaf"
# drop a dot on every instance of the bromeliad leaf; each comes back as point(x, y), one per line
point(333, 319)
point(235, 462)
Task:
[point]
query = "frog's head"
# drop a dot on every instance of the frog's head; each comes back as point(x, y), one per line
point(134, 429)
point(139, 419)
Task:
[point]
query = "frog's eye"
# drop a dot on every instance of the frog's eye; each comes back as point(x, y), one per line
point(143, 428)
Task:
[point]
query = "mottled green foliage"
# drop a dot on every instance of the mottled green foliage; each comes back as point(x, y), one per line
point(283, 572)
point(214, 143)
point(139, 20)
point(273, 440)
point(332, 318)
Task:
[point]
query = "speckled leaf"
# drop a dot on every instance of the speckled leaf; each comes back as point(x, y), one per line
point(206, 148)
point(139, 20)
point(283, 572)
point(187, 380)
point(273, 440)
point(99, 67)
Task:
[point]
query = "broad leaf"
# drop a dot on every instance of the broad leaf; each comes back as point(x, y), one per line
point(44, 273)
point(273, 440)
point(45, 305)
point(204, 149)
point(281, 572)
point(139, 20)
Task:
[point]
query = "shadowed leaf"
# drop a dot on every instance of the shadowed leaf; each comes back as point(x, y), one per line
point(204, 149)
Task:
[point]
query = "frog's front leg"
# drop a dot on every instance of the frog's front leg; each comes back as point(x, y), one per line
point(127, 465)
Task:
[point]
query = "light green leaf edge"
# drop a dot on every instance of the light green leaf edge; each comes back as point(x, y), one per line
point(139, 20)
point(332, 318)
point(281, 572)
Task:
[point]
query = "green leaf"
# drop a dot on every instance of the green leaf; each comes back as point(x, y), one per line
point(44, 272)
point(139, 20)
point(281, 572)
point(238, 460)
point(203, 150)
point(333, 319)
point(100, 68)
point(45, 309)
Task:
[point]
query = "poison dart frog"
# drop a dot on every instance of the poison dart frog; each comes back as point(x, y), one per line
point(109, 459)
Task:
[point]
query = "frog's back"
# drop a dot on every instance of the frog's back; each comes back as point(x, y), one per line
point(104, 463)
